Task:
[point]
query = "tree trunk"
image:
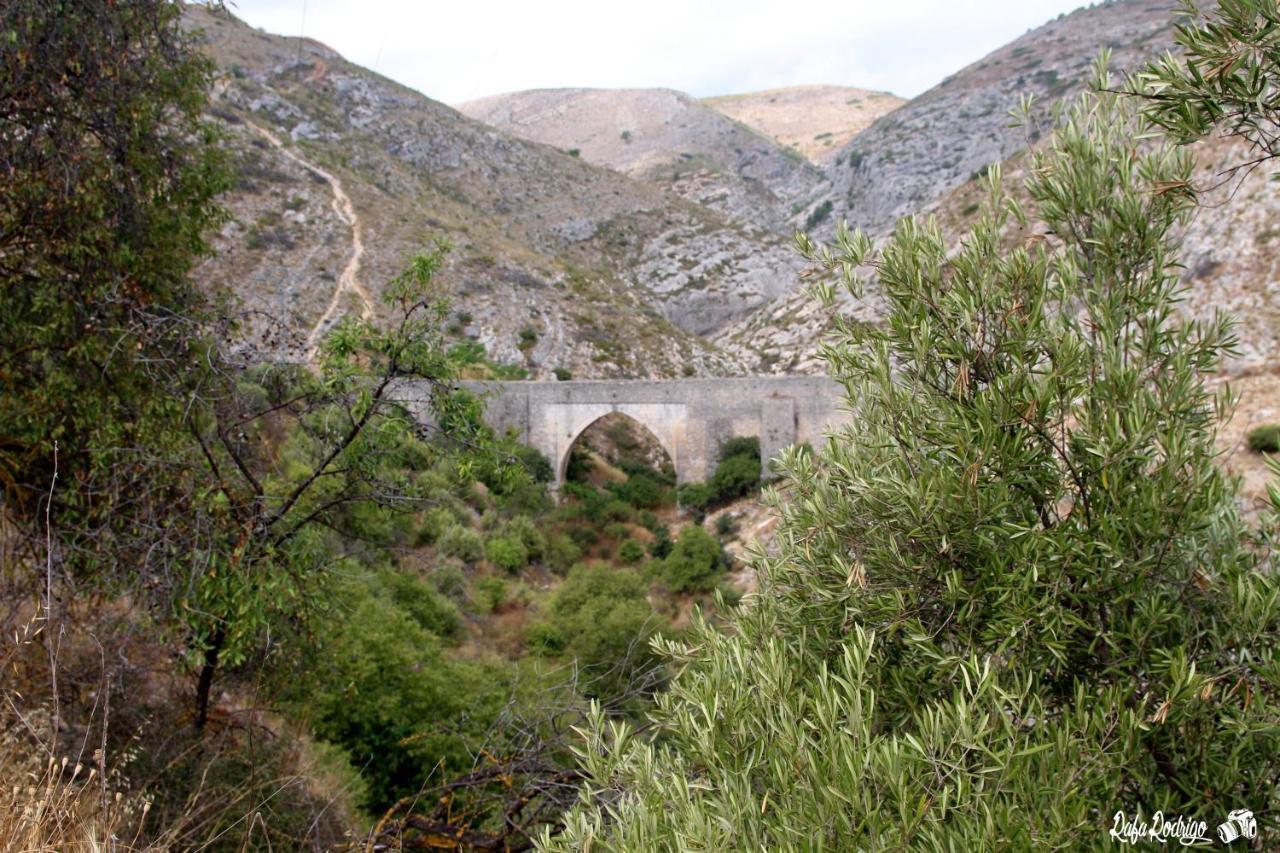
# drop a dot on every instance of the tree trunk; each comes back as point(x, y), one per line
point(205, 683)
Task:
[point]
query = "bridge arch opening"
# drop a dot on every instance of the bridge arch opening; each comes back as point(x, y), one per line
point(615, 447)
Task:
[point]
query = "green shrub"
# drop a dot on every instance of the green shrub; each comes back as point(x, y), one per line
point(739, 445)
point(694, 562)
point(737, 473)
point(562, 374)
point(617, 530)
point(507, 553)
point(605, 621)
point(639, 490)
point(434, 523)
point(1265, 439)
point(536, 463)
point(491, 592)
point(616, 510)
point(529, 533)
point(726, 524)
point(630, 551)
point(543, 638)
point(561, 553)
point(819, 215)
point(735, 477)
point(449, 580)
point(584, 537)
point(427, 607)
point(528, 337)
point(462, 542)
point(661, 545)
point(525, 498)
point(696, 496)
point(376, 683)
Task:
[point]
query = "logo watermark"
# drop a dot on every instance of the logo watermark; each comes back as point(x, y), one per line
point(1239, 824)
point(1178, 829)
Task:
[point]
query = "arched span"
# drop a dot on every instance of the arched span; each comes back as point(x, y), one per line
point(689, 417)
point(562, 465)
point(567, 422)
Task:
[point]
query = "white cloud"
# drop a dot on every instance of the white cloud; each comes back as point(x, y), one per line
point(462, 49)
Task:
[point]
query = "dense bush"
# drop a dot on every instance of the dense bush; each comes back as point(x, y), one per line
point(561, 553)
point(434, 523)
point(695, 562)
point(737, 473)
point(449, 580)
point(526, 531)
point(462, 542)
point(630, 551)
point(377, 684)
point(491, 593)
point(1265, 439)
point(818, 215)
point(601, 616)
point(536, 463)
point(507, 553)
point(617, 510)
point(661, 545)
point(641, 490)
point(428, 606)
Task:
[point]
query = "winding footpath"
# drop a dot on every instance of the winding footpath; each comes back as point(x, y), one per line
point(348, 281)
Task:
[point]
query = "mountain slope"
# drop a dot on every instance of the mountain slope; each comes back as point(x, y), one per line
point(557, 263)
point(666, 138)
point(912, 156)
point(817, 121)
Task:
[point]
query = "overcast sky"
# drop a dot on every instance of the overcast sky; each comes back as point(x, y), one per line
point(461, 49)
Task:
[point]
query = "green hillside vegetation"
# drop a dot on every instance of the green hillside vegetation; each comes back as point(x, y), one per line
point(251, 601)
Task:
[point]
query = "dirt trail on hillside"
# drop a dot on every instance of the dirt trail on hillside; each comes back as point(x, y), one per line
point(348, 281)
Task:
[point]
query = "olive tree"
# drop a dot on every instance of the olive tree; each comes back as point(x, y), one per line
point(1012, 596)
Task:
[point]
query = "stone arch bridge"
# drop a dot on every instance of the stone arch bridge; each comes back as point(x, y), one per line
point(689, 417)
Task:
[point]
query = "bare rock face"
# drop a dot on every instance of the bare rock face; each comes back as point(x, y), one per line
point(665, 138)
point(817, 121)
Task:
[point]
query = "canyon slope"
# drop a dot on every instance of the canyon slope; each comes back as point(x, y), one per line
point(817, 121)
point(557, 263)
point(665, 138)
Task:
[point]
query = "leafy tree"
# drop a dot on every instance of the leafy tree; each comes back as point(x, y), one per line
point(507, 553)
point(347, 468)
point(1013, 594)
point(601, 617)
point(108, 183)
point(375, 682)
point(737, 473)
point(694, 562)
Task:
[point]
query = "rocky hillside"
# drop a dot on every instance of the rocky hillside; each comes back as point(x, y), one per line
point(665, 138)
point(558, 263)
point(911, 157)
point(817, 121)
point(925, 155)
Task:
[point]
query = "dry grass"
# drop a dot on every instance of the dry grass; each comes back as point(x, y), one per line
point(64, 808)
